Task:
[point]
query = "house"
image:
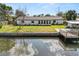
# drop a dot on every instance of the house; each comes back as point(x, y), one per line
point(73, 24)
point(30, 20)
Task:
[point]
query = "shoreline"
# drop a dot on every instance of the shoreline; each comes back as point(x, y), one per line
point(29, 34)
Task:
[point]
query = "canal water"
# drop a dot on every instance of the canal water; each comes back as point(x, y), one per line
point(36, 46)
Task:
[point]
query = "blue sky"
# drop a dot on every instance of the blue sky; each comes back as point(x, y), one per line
point(45, 8)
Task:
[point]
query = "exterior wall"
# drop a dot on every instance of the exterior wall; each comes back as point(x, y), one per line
point(45, 22)
point(57, 21)
point(38, 22)
point(27, 23)
point(73, 25)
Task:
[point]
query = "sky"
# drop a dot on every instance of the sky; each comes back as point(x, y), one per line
point(44, 8)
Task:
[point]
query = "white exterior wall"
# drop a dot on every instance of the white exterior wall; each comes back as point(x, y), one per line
point(27, 22)
point(51, 21)
point(73, 25)
point(36, 22)
point(44, 22)
point(18, 22)
point(30, 22)
point(59, 21)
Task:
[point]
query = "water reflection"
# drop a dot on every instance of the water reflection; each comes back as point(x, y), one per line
point(6, 45)
point(37, 46)
point(71, 47)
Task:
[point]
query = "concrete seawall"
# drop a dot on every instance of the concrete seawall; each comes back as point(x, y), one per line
point(26, 34)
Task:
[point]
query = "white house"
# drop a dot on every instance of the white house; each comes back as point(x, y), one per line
point(29, 20)
point(73, 24)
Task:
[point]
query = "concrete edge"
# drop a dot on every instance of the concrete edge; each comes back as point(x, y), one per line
point(30, 34)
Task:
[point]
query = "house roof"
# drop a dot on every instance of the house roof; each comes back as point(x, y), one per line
point(39, 18)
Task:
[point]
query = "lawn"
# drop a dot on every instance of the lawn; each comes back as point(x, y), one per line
point(58, 26)
point(11, 28)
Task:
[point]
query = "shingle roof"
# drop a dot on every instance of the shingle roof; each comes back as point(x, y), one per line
point(38, 18)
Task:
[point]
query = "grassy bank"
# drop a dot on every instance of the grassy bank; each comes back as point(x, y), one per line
point(11, 28)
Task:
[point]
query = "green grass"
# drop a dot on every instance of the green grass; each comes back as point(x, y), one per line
point(11, 28)
point(58, 26)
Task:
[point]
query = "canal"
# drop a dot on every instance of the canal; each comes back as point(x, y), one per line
point(36, 46)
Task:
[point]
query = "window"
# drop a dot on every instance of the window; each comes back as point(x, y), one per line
point(22, 21)
point(49, 21)
point(44, 21)
point(32, 21)
point(39, 22)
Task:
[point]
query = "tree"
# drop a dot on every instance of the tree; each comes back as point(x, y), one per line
point(41, 14)
point(60, 14)
point(38, 15)
point(47, 15)
point(71, 15)
point(34, 15)
point(6, 11)
point(19, 13)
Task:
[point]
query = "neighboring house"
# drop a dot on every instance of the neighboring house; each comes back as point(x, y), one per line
point(29, 20)
point(73, 24)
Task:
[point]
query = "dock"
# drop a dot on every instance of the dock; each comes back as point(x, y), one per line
point(68, 37)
